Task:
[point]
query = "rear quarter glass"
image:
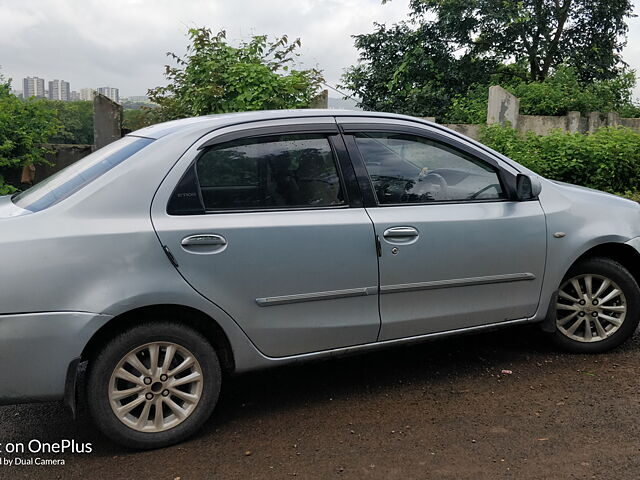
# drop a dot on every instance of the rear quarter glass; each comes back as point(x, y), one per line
point(69, 180)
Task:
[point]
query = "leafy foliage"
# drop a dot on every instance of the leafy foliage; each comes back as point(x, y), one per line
point(558, 94)
point(24, 127)
point(607, 160)
point(215, 77)
point(441, 61)
point(411, 70)
point(136, 118)
point(76, 119)
point(542, 34)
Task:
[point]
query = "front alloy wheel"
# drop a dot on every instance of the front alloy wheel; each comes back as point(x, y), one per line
point(153, 385)
point(590, 308)
point(598, 306)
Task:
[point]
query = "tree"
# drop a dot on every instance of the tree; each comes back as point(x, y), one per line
point(585, 34)
point(215, 77)
point(408, 68)
point(137, 118)
point(25, 126)
point(76, 119)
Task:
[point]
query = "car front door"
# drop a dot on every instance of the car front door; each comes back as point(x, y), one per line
point(456, 250)
point(269, 225)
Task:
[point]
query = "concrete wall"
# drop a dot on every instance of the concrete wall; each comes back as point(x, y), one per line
point(107, 121)
point(107, 127)
point(541, 125)
point(631, 123)
point(504, 108)
point(470, 130)
point(61, 156)
point(321, 100)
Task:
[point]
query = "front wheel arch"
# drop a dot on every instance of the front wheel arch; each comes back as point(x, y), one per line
point(610, 328)
point(622, 253)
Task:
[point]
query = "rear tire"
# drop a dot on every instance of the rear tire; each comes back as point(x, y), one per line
point(153, 385)
point(598, 307)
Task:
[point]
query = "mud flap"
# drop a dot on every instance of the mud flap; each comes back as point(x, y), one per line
point(549, 323)
point(71, 386)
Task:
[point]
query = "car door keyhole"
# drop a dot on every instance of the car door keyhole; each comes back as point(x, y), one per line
point(394, 250)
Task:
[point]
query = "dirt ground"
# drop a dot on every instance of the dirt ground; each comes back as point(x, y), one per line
point(440, 410)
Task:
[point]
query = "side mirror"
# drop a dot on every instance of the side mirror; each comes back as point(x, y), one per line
point(527, 187)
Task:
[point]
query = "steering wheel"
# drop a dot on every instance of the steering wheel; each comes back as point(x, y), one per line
point(424, 186)
point(484, 189)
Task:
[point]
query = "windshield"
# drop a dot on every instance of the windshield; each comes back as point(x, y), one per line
point(72, 178)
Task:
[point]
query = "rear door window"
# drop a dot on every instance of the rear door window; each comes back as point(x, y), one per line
point(271, 172)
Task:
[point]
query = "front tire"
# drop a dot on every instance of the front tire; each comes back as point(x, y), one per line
point(598, 307)
point(153, 385)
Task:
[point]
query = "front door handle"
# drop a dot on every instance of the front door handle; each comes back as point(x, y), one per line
point(204, 243)
point(404, 233)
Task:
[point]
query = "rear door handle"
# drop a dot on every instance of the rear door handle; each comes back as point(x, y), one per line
point(202, 240)
point(404, 233)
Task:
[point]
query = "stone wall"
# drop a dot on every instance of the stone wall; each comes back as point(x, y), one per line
point(468, 129)
point(59, 157)
point(321, 100)
point(107, 128)
point(107, 121)
point(504, 108)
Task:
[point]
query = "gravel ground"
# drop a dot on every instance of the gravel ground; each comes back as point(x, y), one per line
point(441, 410)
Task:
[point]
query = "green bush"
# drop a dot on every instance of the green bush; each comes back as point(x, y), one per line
point(607, 160)
point(216, 77)
point(136, 118)
point(24, 127)
point(558, 94)
point(76, 119)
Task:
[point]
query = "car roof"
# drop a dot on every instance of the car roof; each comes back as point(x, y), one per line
point(208, 123)
point(226, 119)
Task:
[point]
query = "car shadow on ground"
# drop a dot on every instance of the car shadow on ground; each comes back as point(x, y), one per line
point(263, 394)
point(276, 390)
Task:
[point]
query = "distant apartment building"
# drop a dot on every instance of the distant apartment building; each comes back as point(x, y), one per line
point(33, 87)
point(75, 96)
point(86, 94)
point(138, 99)
point(112, 93)
point(59, 90)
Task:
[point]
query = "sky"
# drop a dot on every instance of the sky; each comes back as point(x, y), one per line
point(123, 43)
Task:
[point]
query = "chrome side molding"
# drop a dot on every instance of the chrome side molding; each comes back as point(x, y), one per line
point(404, 287)
point(310, 297)
point(457, 282)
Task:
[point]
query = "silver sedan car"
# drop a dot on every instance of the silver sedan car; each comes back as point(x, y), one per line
point(199, 248)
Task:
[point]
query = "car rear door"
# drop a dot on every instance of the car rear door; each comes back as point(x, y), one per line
point(267, 222)
point(456, 250)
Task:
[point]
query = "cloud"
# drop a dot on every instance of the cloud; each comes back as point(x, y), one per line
point(123, 43)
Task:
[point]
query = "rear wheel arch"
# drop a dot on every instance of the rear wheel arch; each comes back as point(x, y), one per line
point(180, 314)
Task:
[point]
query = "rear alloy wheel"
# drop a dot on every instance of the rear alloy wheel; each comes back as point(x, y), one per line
point(153, 385)
point(597, 307)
